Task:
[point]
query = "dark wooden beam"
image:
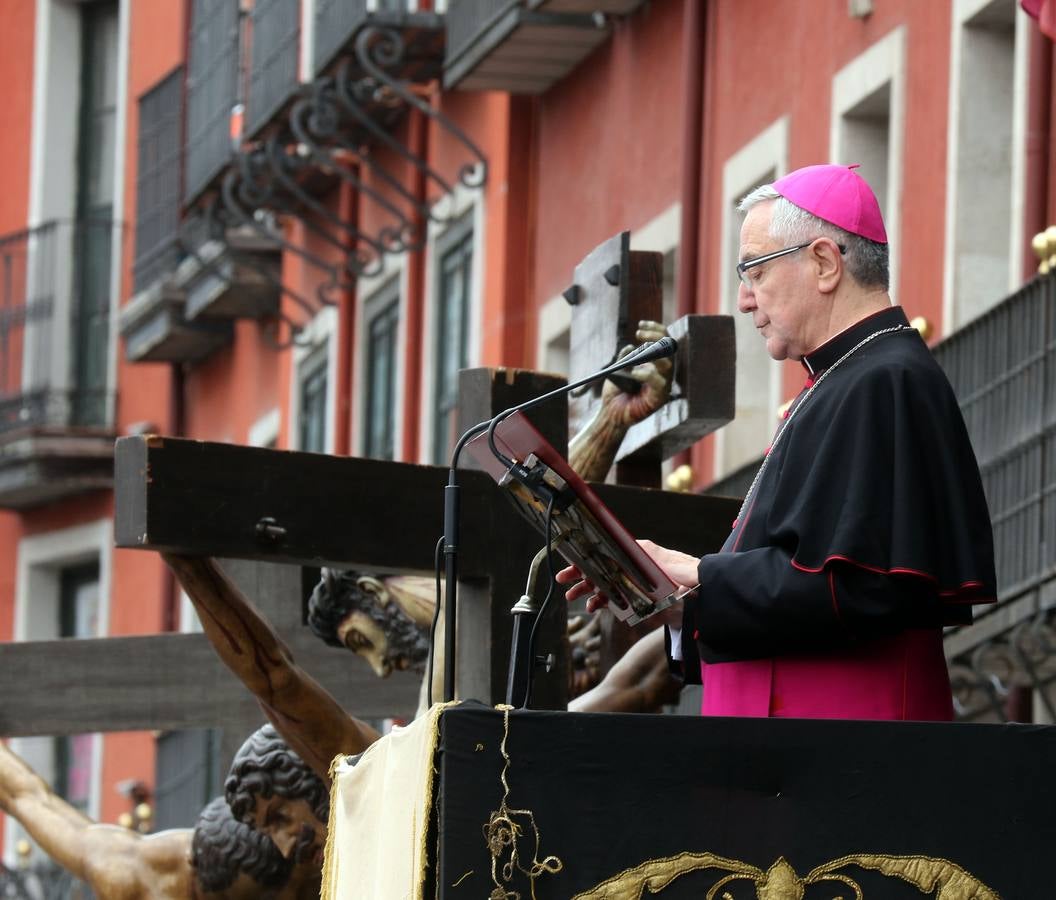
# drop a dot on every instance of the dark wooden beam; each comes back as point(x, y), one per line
point(164, 682)
point(224, 500)
point(173, 681)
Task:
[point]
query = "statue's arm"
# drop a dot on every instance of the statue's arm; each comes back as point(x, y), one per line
point(639, 682)
point(303, 711)
point(57, 827)
point(592, 451)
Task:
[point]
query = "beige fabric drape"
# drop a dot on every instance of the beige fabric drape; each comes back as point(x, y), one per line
point(379, 816)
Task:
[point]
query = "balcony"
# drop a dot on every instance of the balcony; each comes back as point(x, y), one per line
point(339, 22)
point(56, 402)
point(1003, 368)
point(158, 181)
point(523, 46)
point(212, 92)
point(156, 328)
point(239, 277)
point(273, 75)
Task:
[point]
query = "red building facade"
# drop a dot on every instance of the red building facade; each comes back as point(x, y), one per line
point(178, 222)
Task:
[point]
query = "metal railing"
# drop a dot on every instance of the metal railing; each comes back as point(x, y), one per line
point(54, 325)
point(335, 21)
point(212, 91)
point(466, 19)
point(41, 881)
point(158, 180)
point(273, 75)
point(1003, 369)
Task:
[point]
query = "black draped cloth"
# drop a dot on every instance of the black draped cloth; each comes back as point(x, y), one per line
point(868, 518)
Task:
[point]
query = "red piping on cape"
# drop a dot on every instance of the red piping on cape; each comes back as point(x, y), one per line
point(832, 593)
point(968, 585)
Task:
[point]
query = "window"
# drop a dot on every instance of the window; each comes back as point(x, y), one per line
point(78, 618)
point(312, 407)
point(868, 99)
point(985, 175)
point(758, 377)
point(95, 195)
point(382, 315)
point(188, 774)
point(454, 284)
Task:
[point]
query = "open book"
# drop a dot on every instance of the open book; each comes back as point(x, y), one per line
point(583, 530)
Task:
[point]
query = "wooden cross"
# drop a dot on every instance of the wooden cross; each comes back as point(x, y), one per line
point(614, 288)
point(198, 498)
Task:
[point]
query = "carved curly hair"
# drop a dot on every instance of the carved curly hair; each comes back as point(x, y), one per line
point(222, 846)
point(338, 594)
point(265, 765)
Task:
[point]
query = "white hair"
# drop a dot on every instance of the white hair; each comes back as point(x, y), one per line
point(866, 260)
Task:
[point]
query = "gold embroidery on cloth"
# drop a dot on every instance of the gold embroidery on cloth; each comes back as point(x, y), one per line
point(502, 831)
point(780, 882)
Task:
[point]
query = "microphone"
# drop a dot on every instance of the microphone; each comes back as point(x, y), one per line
point(666, 346)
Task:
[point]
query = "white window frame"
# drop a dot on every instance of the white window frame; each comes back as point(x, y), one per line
point(320, 335)
point(451, 209)
point(767, 152)
point(394, 268)
point(882, 64)
point(963, 11)
point(53, 170)
point(41, 560)
point(554, 321)
point(265, 431)
point(662, 234)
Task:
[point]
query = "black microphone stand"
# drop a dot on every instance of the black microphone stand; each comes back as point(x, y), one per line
point(664, 347)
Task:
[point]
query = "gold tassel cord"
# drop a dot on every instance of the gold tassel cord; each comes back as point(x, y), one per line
point(503, 830)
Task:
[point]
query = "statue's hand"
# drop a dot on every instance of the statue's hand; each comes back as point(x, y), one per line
point(655, 379)
point(584, 637)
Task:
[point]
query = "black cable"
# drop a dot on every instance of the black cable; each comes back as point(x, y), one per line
point(546, 602)
point(436, 618)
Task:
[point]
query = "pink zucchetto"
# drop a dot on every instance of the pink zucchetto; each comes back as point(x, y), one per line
point(838, 195)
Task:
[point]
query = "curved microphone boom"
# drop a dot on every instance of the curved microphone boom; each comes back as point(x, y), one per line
point(666, 346)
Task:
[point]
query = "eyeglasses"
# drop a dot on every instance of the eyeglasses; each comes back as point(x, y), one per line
point(743, 267)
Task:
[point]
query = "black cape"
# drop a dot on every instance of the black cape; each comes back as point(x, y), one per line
point(869, 516)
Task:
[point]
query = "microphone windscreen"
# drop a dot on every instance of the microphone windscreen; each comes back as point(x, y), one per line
point(666, 346)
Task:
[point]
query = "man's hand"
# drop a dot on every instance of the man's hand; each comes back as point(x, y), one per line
point(655, 378)
point(680, 567)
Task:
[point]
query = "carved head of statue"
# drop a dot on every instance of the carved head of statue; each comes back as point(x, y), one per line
point(270, 788)
point(361, 612)
point(232, 860)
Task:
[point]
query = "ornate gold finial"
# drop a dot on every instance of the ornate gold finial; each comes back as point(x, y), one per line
point(23, 848)
point(1044, 246)
point(1049, 261)
point(143, 813)
point(125, 820)
point(1039, 244)
point(923, 325)
point(681, 479)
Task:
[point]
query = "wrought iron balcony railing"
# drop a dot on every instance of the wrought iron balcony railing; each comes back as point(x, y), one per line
point(55, 325)
point(273, 76)
point(1003, 368)
point(337, 21)
point(212, 92)
point(158, 181)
